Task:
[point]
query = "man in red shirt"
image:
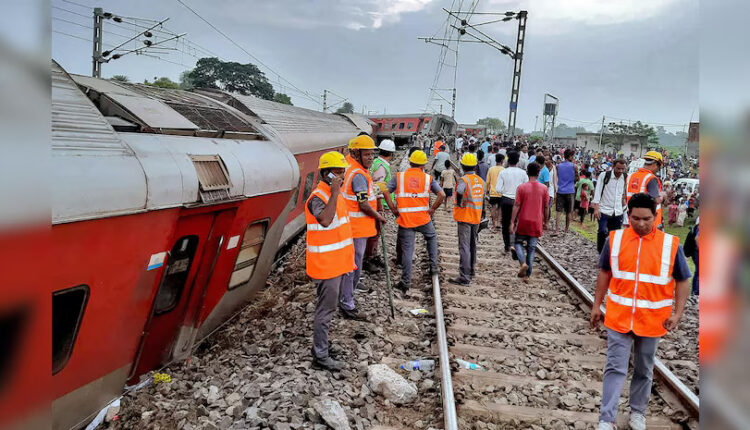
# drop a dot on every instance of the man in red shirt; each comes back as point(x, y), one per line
point(529, 210)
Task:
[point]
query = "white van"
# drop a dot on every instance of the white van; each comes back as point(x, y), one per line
point(690, 185)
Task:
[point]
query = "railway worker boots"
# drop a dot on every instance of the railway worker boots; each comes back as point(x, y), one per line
point(352, 314)
point(327, 363)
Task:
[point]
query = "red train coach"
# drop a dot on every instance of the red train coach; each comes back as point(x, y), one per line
point(404, 125)
point(168, 208)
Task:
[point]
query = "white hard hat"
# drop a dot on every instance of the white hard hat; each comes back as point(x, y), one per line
point(387, 145)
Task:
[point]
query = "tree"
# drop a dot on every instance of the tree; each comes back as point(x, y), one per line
point(282, 98)
point(164, 82)
point(617, 133)
point(186, 82)
point(563, 130)
point(119, 78)
point(230, 76)
point(346, 108)
point(493, 124)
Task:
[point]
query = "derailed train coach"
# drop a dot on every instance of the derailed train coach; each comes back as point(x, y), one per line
point(169, 207)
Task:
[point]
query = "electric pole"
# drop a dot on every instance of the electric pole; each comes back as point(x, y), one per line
point(325, 94)
point(96, 56)
point(453, 105)
point(517, 61)
point(601, 134)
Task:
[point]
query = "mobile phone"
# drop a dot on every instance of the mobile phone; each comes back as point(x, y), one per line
point(331, 175)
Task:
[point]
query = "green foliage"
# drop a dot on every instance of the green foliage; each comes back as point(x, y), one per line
point(346, 108)
point(119, 78)
point(282, 98)
point(535, 138)
point(495, 125)
point(186, 82)
point(619, 131)
point(164, 82)
point(230, 76)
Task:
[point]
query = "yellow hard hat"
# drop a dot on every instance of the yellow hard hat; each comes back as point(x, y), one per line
point(362, 142)
point(332, 160)
point(655, 156)
point(469, 160)
point(418, 157)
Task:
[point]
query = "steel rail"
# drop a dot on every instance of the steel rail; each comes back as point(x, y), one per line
point(446, 383)
point(684, 394)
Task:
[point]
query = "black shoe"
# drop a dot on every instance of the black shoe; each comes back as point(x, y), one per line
point(459, 281)
point(352, 314)
point(434, 272)
point(327, 363)
point(333, 350)
point(377, 261)
point(370, 267)
point(482, 225)
point(472, 274)
point(362, 288)
point(513, 254)
point(402, 287)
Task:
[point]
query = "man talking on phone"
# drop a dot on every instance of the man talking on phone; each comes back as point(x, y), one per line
point(330, 251)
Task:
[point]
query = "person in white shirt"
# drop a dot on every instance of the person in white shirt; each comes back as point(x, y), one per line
point(507, 183)
point(459, 144)
point(552, 187)
point(610, 198)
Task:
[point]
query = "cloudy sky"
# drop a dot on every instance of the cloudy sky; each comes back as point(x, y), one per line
point(626, 59)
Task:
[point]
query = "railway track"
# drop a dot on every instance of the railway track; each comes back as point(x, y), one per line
point(542, 365)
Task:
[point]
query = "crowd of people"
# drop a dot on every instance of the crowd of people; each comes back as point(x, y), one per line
point(643, 275)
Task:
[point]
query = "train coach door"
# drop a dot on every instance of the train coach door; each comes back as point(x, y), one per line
point(189, 251)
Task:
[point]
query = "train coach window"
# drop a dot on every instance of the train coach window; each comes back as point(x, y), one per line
point(401, 126)
point(175, 273)
point(309, 179)
point(410, 126)
point(252, 243)
point(296, 192)
point(68, 306)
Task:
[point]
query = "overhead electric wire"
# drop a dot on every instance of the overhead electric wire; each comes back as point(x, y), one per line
point(246, 51)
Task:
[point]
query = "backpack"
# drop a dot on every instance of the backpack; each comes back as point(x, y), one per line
point(691, 245)
point(607, 177)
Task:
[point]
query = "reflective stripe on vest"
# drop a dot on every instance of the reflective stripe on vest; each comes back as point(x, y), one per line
point(642, 304)
point(664, 276)
point(472, 199)
point(331, 247)
point(329, 250)
point(413, 199)
point(362, 224)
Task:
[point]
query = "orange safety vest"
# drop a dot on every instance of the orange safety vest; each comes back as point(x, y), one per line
point(439, 144)
point(641, 292)
point(473, 198)
point(638, 182)
point(362, 225)
point(413, 198)
point(330, 250)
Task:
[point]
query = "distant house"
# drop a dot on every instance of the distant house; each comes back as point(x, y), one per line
point(564, 142)
point(630, 143)
point(693, 139)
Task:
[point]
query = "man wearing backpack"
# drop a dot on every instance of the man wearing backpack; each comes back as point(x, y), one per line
point(610, 198)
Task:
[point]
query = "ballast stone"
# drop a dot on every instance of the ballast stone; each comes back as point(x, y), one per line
point(332, 413)
point(383, 380)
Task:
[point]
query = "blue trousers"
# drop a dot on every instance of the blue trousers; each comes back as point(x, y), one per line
point(351, 279)
point(607, 223)
point(527, 256)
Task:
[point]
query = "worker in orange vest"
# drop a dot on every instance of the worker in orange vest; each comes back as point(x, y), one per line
point(362, 202)
point(414, 214)
point(644, 180)
point(439, 144)
point(467, 211)
point(330, 250)
point(643, 274)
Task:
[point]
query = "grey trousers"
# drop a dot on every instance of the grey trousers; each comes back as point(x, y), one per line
point(328, 295)
point(351, 279)
point(406, 241)
point(616, 370)
point(467, 250)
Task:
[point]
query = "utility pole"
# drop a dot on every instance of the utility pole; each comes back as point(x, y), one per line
point(453, 105)
point(601, 134)
point(325, 94)
point(517, 60)
point(441, 108)
point(96, 56)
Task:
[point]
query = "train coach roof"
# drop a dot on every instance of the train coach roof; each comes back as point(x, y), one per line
point(301, 130)
point(100, 172)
